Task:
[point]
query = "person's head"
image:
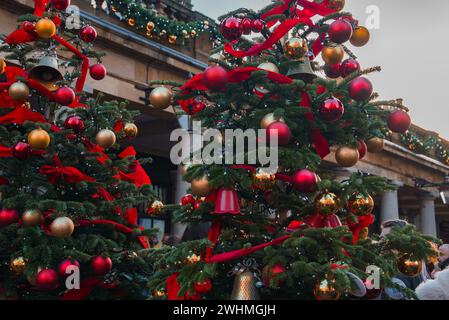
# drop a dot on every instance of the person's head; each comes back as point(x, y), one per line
point(444, 252)
point(389, 224)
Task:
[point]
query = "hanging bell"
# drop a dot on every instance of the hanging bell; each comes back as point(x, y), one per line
point(227, 202)
point(47, 73)
point(245, 287)
point(302, 70)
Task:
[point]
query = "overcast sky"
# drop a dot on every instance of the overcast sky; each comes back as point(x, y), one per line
point(411, 46)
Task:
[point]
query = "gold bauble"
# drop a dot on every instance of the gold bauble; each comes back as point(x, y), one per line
point(131, 22)
point(333, 54)
point(185, 33)
point(296, 48)
point(325, 291)
point(172, 39)
point(62, 227)
point(45, 28)
point(18, 265)
point(105, 138)
point(336, 5)
point(269, 66)
point(18, 91)
point(193, 258)
point(32, 218)
point(363, 234)
point(161, 98)
point(131, 130)
point(163, 33)
point(360, 36)
point(268, 119)
point(150, 26)
point(409, 267)
point(360, 204)
point(263, 180)
point(193, 33)
point(156, 208)
point(375, 145)
point(2, 66)
point(161, 293)
point(327, 203)
point(347, 156)
point(201, 187)
point(39, 139)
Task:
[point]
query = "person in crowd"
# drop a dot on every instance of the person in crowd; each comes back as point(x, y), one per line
point(443, 260)
point(435, 289)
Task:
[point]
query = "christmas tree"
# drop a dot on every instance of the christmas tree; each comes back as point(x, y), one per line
point(68, 218)
point(296, 232)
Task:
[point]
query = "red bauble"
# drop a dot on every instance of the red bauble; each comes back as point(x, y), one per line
point(188, 199)
point(8, 216)
point(60, 4)
point(331, 110)
point(65, 96)
point(282, 131)
point(231, 28)
point(399, 121)
point(215, 78)
point(47, 280)
point(363, 149)
point(21, 151)
point(98, 71)
point(304, 181)
point(100, 265)
point(65, 264)
point(258, 25)
point(340, 31)
point(349, 66)
point(88, 34)
point(270, 274)
point(332, 71)
point(75, 123)
point(360, 89)
point(28, 26)
point(203, 286)
point(247, 25)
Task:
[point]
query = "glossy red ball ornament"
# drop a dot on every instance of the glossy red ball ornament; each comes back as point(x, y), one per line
point(8, 216)
point(62, 268)
point(305, 181)
point(247, 25)
point(47, 280)
point(88, 34)
point(231, 28)
point(100, 265)
point(203, 286)
point(340, 31)
point(60, 4)
point(187, 199)
point(29, 26)
point(215, 78)
point(360, 89)
point(363, 149)
point(349, 66)
point(331, 110)
point(21, 151)
point(75, 123)
point(65, 96)
point(282, 131)
point(270, 275)
point(332, 71)
point(258, 25)
point(399, 121)
point(98, 71)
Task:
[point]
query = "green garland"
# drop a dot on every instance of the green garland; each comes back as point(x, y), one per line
point(158, 27)
point(425, 146)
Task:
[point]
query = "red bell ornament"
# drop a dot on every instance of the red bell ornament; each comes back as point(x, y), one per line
point(349, 66)
point(215, 78)
point(61, 5)
point(305, 181)
point(340, 31)
point(62, 268)
point(399, 121)
point(101, 265)
point(231, 28)
point(65, 96)
point(21, 151)
point(247, 25)
point(75, 123)
point(363, 149)
point(227, 202)
point(88, 34)
point(331, 110)
point(360, 89)
point(8, 216)
point(332, 221)
point(281, 130)
point(47, 280)
point(98, 71)
point(258, 25)
point(332, 71)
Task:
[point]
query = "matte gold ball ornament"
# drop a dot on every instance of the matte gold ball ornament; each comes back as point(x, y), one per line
point(201, 187)
point(409, 267)
point(32, 218)
point(130, 130)
point(45, 28)
point(39, 139)
point(268, 66)
point(327, 203)
point(156, 208)
point(161, 98)
point(375, 144)
point(268, 119)
point(131, 22)
point(19, 91)
point(296, 48)
point(325, 290)
point(333, 54)
point(105, 138)
point(363, 234)
point(18, 265)
point(360, 36)
point(150, 26)
point(62, 227)
point(347, 156)
point(172, 39)
point(360, 204)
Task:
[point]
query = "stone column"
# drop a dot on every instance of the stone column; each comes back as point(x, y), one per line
point(390, 204)
point(180, 190)
point(427, 215)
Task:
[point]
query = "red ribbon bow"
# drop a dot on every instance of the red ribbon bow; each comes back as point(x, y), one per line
point(57, 172)
point(323, 221)
point(356, 227)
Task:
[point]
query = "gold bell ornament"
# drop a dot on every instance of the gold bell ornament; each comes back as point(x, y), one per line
point(47, 73)
point(245, 281)
point(302, 70)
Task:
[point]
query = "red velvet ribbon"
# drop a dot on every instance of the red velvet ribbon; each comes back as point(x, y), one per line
point(173, 288)
point(20, 115)
point(39, 7)
point(138, 176)
point(58, 171)
point(356, 227)
point(5, 152)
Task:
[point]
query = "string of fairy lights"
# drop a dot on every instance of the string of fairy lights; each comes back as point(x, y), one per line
point(149, 22)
